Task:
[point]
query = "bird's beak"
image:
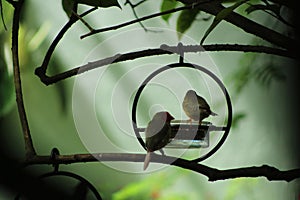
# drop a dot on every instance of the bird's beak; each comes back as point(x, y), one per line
point(170, 117)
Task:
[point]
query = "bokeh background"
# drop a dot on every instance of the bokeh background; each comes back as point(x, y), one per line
point(263, 89)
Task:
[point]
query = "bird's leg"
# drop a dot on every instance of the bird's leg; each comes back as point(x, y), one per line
point(162, 152)
point(189, 121)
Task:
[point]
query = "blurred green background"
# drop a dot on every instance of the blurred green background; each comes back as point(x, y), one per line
point(263, 89)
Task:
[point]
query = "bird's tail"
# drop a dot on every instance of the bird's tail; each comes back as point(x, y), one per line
point(213, 114)
point(147, 160)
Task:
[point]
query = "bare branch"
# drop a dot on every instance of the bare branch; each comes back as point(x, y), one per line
point(29, 148)
point(136, 21)
point(158, 51)
point(134, 13)
point(139, 3)
point(249, 26)
point(213, 174)
point(41, 71)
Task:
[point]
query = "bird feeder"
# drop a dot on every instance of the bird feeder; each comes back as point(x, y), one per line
point(186, 134)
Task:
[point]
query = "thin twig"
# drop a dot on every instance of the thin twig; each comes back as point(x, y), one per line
point(138, 20)
point(139, 3)
point(83, 21)
point(213, 174)
point(249, 26)
point(29, 148)
point(133, 6)
point(158, 51)
point(41, 71)
point(214, 8)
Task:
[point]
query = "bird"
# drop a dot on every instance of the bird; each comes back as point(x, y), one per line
point(158, 134)
point(196, 107)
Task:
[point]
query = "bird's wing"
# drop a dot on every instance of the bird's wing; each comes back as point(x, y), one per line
point(157, 139)
point(154, 127)
point(202, 103)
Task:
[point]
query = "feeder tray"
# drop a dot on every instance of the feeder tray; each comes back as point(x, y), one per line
point(185, 135)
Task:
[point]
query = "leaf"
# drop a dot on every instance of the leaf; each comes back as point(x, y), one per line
point(7, 95)
point(2, 15)
point(253, 8)
point(167, 5)
point(68, 5)
point(269, 73)
point(220, 16)
point(151, 187)
point(273, 8)
point(185, 20)
point(61, 86)
point(238, 117)
point(240, 78)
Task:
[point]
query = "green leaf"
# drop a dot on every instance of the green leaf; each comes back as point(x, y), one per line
point(253, 8)
point(220, 16)
point(68, 5)
point(238, 117)
point(61, 86)
point(265, 75)
point(151, 187)
point(7, 95)
point(167, 5)
point(2, 15)
point(185, 20)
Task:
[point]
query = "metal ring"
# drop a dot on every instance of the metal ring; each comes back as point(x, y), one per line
point(75, 176)
point(194, 66)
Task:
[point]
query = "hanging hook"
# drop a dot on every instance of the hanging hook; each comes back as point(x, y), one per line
point(180, 52)
point(53, 156)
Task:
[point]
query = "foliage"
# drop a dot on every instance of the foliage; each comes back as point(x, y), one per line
point(185, 20)
point(167, 5)
point(250, 68)
point(7, 94)
point(153, 187)
point(69, 5)
point(221, 16)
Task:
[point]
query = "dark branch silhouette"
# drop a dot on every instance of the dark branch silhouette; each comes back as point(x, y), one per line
point(213, 174)
point(158, 51)
point(29, 148)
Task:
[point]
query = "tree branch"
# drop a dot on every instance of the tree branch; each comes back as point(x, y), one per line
point(29, 149)
point(133, 6)
point(95, 31)
point(158, 51)
point(213, 174)
point(248, 25)
point(41, 71)
point(213, 8)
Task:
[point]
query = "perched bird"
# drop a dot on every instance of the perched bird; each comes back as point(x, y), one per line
point(158, 134)
point(196, 107)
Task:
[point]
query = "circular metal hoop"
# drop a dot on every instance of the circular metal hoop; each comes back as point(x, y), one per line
point(186, 65)
point(75, 176)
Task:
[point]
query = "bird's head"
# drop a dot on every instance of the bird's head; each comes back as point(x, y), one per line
point(164, 116)
point(191, 93)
